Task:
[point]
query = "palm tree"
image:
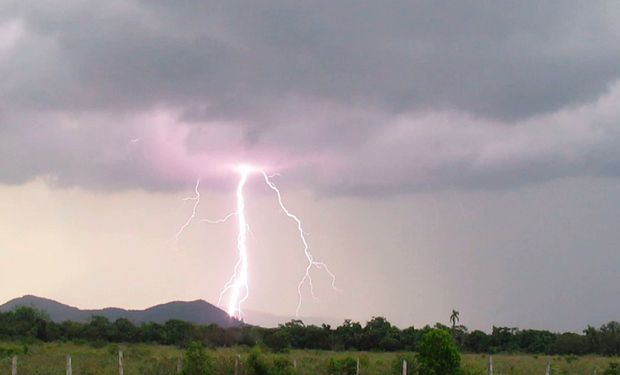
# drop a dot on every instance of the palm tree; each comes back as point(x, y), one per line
point(454, 318)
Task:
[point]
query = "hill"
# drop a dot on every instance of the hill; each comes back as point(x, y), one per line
point(199, 312)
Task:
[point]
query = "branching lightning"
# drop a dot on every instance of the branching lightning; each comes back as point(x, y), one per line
point(220, 221)
point(237, 286)
point(309, 256)
point(196, 200)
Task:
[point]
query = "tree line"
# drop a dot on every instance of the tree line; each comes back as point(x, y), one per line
point(378, 334)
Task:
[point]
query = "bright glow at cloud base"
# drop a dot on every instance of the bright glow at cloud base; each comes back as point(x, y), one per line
point(237, 286)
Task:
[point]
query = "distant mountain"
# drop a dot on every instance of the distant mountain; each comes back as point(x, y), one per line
point(199, 312)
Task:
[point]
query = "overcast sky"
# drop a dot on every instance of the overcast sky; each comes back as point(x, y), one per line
point(443, 154)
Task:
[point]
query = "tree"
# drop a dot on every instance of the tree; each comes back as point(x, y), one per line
point(409, 338)
point(477, 342)
point(277, 340)
point(178, 332)
point(503, 339)
point(197, 361)
point(123, 330)
point(153, 333)
point(534, 341)
point(98, 329)
point(379, 334)
point(610, 338)
point(438, 354)
point(454, 318)
point(348, 335)
point(569, 343)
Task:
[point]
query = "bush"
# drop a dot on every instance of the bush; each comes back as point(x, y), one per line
point(612, 369)
point(282, 366)
point(225, 364)
point(342, 366)
point(438, 354)
point(113, 349)
point(8, 352)
point(197, 361)
point(256, 363)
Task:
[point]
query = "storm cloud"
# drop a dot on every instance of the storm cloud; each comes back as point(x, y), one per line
point(344, 97)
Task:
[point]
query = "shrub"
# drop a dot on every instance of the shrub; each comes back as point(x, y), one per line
point(113, 349)
point(256, 363)
point(282, 366)
point(438, 354)
point(612, 369)
point(342, 366)
point(8, 352)
point(197, 361)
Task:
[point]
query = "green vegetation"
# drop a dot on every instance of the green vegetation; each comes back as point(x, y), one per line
point(197, 361)
point(438, 354)
point(142, 359)
point(376, 335)
point(297, 349)
point(256, 363)
point(342, 366)
point(612, 369)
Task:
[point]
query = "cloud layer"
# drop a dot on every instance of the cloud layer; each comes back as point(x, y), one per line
point(346, 97)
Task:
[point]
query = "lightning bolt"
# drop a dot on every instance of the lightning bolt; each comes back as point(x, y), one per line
point(238, 285)
point(196, 199)
point(238, 282)
point(222, 220)
point(302, 235)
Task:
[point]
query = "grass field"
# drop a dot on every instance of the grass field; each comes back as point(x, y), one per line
point(49, 359)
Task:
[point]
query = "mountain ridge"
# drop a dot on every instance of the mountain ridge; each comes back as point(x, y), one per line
point(196, 311)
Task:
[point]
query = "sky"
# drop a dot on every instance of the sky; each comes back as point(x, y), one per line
point(441, 155)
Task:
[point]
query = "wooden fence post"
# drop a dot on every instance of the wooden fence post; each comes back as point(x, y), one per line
point(490, 365)
point(179, 365)
point(14, 365)
point(357, 370)
point(120, 363)
point(548, 371)
point(237, 364)
point(404, 367)
point(69, 366)
point(295, 363)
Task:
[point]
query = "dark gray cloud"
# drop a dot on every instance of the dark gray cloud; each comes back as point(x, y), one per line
point(415, 94)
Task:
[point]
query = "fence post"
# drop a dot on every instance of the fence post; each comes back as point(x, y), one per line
point(120, 363)
point(404, 367)
point(295, 363)
point(490, 365)
point(14, 365)
point(548, 371)
point(357, 369)
point(237, 364)
point(180, 365)
point(69, 366)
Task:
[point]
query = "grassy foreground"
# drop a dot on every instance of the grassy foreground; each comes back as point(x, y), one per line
point(139, 359)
